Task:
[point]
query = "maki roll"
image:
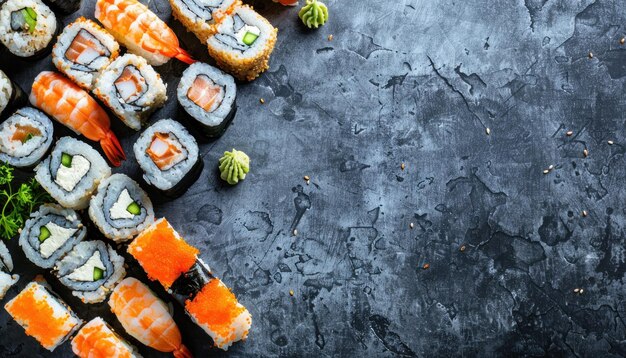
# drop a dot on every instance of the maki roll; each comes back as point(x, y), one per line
point(6, 266)
point(208, 95)
point(11, 96)
point(83, 50)
point(97, 339)
point(243, 43)
point(91, 270)
point(202, 16)
point(25, 137)
point(168, 156)
point(167, 258)
point(65, 6)
point(27, 27)
point(132, 89)
point(50, 233)
point(145, 317)
point(72, 172)
point(121, 209)
point(43, 315)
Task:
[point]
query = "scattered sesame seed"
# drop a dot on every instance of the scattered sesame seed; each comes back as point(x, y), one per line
point(411, 225)
point(585, 152)
point(306, 177)
point(488, 131)
point(569, 133)
point(584, 213)
point(576, 290)
point(308, 182)
point(622, 40)
point(590, 54)
point(290, 292)
point(426, 266)
point(610, 142)
point(462, 248)
point(546, 171)
point(330, 37)
point(402, 166)
point(295, 232)
point(262, 101)
point(551, 167)
point(581, 291)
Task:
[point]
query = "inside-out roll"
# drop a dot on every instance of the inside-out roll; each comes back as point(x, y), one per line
point(168, 156)
point(72, 172)
point(6, 266)
point(201, 16)
point(132, 89)
point(121, 209)
point(27, 27)
point(91, 270)
point(50, 233)
point(208, 95)
point(82, 50)
point(25, 137)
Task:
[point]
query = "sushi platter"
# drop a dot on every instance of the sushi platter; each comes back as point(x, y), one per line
point(101, 267)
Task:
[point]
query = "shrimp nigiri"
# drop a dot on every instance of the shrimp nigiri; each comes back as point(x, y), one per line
point(140, 30)
point(76, 109)
point(145, 317)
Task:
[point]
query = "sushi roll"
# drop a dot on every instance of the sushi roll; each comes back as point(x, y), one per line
point(72, 172)
point(65, 6)
point(83, 50)
point(50, 233)
point(243, 43)
point(145, 317)
point(6, 266)
point(167, 258)
point(201, 16)
point(27, 27)
point(11, 96)
point(121, 209)
point(208, 95)
point(91, 270)
point(43, 315)
point(168, 156)
point(25, 137)
point(132, 89)
point(97, 339)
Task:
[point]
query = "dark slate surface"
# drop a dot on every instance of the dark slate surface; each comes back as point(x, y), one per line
point(414, 82)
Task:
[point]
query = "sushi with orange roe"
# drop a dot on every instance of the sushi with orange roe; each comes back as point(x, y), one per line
point(145, 317)
point(98, 340)
point(43, 315)
point(167, 258)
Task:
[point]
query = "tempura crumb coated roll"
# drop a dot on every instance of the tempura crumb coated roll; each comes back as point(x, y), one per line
point(167, 258)
point(25, 137)
point(121, 209)
point(243, 43)
point(84, 49)
point(201, 16)
point(43, 315)
point(97, 339)
point(6, 266)
point(169, 157)
point(91, 270)
point(132, 89)
point(27, 27)
point(72, 172)
point(208, 95)
point(50, 233)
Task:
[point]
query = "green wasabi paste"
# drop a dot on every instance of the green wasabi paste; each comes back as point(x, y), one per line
point(234, 166)
point(313, 14)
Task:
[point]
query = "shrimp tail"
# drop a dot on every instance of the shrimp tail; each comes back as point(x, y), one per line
point(185, 57)
point(182, 352)
point(113, 149)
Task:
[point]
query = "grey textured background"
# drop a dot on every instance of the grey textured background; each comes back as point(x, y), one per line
point(414, 82)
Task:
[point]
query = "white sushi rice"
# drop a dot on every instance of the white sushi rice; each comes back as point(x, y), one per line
point(6, 266)
point(84, 74)
point(25, 43)
point(102, 208)
point(201, 16)
point(138, 111)
point(225, 102)
point(165, 179)
point(69, 322)
point(6, 91)
point(25, 154)
point(47, 173)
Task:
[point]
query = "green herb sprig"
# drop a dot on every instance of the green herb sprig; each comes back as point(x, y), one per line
point(18, 204)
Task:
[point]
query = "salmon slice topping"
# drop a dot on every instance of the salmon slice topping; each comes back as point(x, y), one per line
point(165, 151)
point(205, 93)
point(85, 48)
point(24, 132)
point(130, 85)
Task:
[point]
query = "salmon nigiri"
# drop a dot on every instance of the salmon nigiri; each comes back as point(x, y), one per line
point(140, 30)
point(145, 317)
point(71, 106)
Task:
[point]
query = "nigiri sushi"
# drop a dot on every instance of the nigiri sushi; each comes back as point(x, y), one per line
point(145, 317)
point(98, 340)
